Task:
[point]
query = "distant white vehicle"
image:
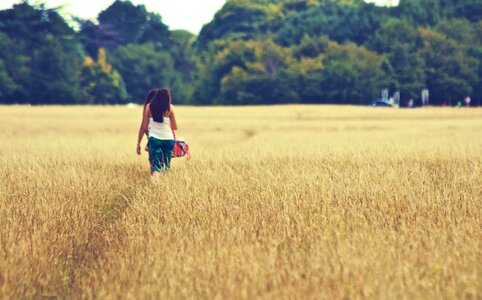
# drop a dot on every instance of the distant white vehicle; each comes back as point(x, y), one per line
point(382, 103)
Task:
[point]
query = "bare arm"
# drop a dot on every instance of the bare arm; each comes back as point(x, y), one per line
point(173, 119)
point(143, 112)
point(144, 128)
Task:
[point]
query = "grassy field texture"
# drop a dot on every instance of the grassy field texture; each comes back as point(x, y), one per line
point(288, 202)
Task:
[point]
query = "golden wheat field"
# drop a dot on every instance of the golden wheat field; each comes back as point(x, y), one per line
point(283, 202)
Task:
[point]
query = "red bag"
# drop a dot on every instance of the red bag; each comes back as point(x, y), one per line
point(181, 148)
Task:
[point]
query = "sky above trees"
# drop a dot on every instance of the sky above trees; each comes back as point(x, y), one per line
point(173, 12)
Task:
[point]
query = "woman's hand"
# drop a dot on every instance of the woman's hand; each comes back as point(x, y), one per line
point(138, 149)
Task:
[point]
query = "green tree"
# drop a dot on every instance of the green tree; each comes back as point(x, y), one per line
point(460, 30)
point(218, 62)
point(476, 52)
point(7, 85)
point(186, 64)
point(431, 12)
point(339, 21)
point(265, 80)
point(143, 68)
point(420, 12)
point(144, 51)
point(404, 68)
point(466, 9)
point(252, 52)
point(241, 20)
point(351, 74)
point(14, 71)
point(468, 37)
point(310, 47)
point(124, 23)
point(450, 73)
point(42, 56)
point(100, 83)
point(54, 69)
point(310, 77)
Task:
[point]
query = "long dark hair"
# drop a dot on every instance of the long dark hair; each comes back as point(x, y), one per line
point(160, 104)
point(149, 97)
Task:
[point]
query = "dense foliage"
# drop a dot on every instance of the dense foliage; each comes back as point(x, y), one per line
point(252, 52)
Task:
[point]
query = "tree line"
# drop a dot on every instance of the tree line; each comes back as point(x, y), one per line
point(252, 52)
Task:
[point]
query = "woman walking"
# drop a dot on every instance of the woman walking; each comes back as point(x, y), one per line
point(158, 122)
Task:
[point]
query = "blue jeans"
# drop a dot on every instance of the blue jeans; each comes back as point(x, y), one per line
point(160, 154)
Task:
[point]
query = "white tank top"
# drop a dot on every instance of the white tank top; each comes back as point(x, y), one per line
point(161, 131)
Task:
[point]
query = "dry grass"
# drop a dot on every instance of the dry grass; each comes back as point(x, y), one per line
point(278, 202)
